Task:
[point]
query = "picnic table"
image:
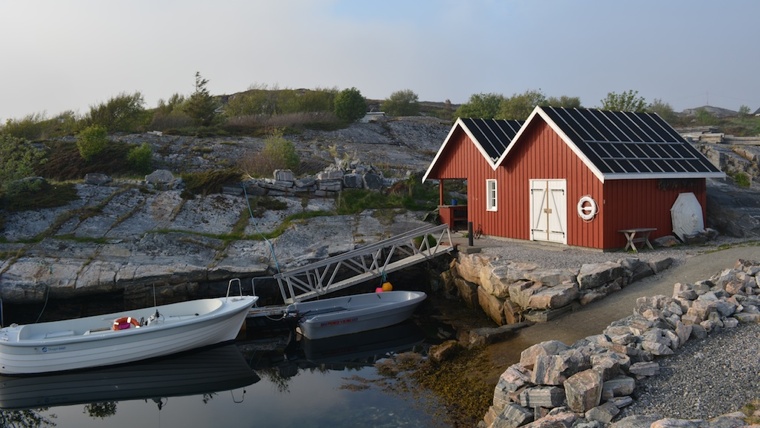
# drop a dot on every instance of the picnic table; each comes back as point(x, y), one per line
point(630, 235)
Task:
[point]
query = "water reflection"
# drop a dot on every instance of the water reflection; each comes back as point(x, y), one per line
point(279, 380)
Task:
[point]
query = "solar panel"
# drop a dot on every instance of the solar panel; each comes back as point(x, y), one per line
point(492, 134)
point(629, 142)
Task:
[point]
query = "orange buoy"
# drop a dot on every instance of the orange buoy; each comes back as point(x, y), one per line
point(124, 323)
point(387, 286)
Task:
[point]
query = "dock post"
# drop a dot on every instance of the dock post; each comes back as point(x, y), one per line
point(469, 234)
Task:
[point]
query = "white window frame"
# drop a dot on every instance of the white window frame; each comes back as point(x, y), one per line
point(491, 195)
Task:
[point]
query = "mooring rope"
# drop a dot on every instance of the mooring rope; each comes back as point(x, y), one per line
point(271, 247)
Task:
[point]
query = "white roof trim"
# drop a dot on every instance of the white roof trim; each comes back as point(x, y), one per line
point(480, 148)
point(539, 111)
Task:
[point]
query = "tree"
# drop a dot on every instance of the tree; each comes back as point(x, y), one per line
point(18, 159)
point(201, 107)
point(350, 105)
point(519, 107)
point(402, 103)
point(121, 113)
point(564, 101)
point(626, 101)
point(663, 109)
point(481, 106)
point(744, 110)
point(91, 141)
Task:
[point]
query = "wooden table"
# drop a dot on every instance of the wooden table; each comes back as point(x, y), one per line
point(630, 235)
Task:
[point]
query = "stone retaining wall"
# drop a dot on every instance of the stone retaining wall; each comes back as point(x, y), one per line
point(512, 292)
point(590, 381)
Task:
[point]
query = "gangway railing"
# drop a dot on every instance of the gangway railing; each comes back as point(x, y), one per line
point(364, 263)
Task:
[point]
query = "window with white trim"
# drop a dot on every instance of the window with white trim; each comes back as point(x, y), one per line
point(491, 195)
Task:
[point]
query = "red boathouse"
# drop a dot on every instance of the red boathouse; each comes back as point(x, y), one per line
point(571, 176)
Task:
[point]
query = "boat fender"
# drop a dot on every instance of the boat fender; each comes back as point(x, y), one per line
point(124, 323)
point(387, 286)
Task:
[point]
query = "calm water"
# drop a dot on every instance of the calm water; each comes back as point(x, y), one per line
point(276, 381)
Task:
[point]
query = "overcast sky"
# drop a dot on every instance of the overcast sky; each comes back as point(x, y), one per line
point(63, 55)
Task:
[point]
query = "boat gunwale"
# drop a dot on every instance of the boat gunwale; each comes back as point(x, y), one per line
point(390, 306)
point(222, 310)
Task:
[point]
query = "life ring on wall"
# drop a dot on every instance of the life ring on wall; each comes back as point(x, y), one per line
point(587, 208)
point(124, 323)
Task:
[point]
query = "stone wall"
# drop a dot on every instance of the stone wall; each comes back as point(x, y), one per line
point(589, 382)
point(512, 292)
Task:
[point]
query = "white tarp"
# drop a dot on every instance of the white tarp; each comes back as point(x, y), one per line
point(686, 215)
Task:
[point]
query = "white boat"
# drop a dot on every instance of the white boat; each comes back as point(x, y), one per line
point(352, 314)
point(121, 337)
point(204, 371)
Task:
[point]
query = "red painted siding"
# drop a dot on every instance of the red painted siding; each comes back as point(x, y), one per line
point(542, 154)
point(645, 203)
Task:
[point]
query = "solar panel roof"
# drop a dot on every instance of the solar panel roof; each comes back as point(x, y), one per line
point(492, 134)
point(629, 143)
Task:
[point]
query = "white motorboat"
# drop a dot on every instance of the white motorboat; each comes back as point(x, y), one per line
point(352, 314)
point(122, 337)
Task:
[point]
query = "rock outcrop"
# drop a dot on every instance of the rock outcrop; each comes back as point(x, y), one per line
point(119, 234)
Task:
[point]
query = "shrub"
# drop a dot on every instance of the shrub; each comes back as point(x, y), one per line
point(18, 159)
point(350, 105)
point(91, 141)
point(278, 153)
point(402, 103)
point(123, 113)
point(141, 158)
point(742, 179)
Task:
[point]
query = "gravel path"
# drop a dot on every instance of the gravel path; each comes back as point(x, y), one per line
point(556, 257)
point(704, 379)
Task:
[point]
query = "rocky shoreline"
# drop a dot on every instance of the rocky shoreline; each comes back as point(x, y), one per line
point(590, 381)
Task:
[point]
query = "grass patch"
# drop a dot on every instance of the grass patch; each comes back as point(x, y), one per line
point(742, 179)
point(208, 182)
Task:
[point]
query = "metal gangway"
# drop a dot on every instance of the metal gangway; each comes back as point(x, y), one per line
point(364, 263)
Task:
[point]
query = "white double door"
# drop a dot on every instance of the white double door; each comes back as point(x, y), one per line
point(548, 210)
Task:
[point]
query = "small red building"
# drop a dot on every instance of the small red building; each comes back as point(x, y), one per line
point(570, 176)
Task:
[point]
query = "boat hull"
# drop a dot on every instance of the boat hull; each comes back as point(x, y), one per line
point(92, 341)
point(353, 314)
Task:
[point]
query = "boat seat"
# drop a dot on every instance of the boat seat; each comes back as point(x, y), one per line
point(62, 333)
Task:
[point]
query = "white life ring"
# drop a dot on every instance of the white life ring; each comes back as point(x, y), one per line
point(587, 208)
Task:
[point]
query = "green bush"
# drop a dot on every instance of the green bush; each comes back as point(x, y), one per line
point(350, 105)
point(278, 153)
point(402, 103)
point(123, 113)
point(742, 179)
point(141, 158)
point(91, 141)
point(18, 159)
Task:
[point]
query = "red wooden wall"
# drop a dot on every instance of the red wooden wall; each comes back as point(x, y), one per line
point(542, 154)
